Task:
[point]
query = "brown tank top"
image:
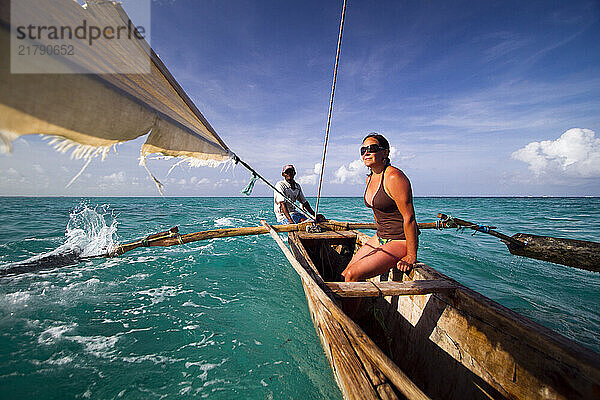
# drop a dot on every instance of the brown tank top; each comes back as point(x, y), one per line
point(390, 223)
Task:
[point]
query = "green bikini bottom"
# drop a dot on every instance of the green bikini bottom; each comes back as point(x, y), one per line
point(383, 241)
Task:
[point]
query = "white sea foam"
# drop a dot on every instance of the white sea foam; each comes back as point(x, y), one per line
point(85, 285)
point(204, 367)
point(212, 296)
point(154, 358)
point(158, 295)
point(143, 259)
point(87, 234)
point(60, 361)
point(95, 345)
point(54, 334)
point(137, 276)
point(228, 221)
point(87, 228)
point(190, 304)
point(17, 298)
point(202, 343)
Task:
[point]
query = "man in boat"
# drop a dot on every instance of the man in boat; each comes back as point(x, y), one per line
point(284, 210)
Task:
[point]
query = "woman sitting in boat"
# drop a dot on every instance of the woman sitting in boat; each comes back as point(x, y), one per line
point(389, 194)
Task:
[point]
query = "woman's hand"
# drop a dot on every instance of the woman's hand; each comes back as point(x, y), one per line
point(406, 263)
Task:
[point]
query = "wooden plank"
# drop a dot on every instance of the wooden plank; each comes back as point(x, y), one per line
point(328, 235)
point(355, 334)
point(376, 289)
point(347, 367)
point(386, 392)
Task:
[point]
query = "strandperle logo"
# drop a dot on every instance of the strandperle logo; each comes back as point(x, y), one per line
point(84, 31)
point(71, 37)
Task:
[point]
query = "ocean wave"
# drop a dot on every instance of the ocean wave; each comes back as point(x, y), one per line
point(87, 235)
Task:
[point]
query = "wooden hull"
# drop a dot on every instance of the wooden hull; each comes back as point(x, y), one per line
point(452, 344)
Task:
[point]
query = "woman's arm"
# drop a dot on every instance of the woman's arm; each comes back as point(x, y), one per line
point(399, 189)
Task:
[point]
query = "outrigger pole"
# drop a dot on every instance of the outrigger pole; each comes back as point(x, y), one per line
point(570, 252)
point(573, 253)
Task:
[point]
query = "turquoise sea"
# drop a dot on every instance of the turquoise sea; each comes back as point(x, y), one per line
point(227, 318)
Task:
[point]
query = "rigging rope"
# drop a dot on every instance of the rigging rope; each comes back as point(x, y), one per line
point(337, 59)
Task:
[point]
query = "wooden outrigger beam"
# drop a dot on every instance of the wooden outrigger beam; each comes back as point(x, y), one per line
point(570, 252)
point(172, 237)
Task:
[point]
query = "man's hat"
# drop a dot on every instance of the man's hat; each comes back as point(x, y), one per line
point(288, 167)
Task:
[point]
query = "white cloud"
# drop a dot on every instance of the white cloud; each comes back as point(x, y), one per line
point(310, 179)
point(12, 172)
point(201, 181)
point(116, 177)
point(353, 173)
point(576, 153)
point(307, 179)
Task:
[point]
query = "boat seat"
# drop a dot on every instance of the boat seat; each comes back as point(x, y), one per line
point(376, 289)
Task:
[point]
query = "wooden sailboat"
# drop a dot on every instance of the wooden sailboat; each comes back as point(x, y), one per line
point(424, 335)
point(421, 335)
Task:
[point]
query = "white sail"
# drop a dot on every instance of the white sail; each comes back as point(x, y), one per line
point(92, 112)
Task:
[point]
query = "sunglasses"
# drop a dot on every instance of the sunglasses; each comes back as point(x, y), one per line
point(372, 148)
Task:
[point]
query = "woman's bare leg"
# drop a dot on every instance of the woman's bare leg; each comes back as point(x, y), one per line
point(376, 259)
point(370, 260)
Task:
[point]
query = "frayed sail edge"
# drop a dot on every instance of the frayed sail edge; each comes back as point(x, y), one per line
point(88, 153)
point(80, 151)
point(6, 139)
point(192, 162)
point(158, 184)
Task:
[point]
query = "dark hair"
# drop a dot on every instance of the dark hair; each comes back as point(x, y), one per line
point(382, 142)
point(380, 139)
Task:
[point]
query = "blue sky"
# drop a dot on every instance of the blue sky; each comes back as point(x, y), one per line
point(476, 98)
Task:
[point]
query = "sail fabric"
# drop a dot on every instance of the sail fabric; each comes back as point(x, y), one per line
point(91, 112)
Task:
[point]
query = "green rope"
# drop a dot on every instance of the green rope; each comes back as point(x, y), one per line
point(248, 189)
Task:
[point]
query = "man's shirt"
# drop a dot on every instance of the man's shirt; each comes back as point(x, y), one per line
point(292, 194)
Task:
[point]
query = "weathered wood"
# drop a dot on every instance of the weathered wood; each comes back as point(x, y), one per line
point(573, 253)
point(325, 323)
point(172, 237)
point(353, 331)
point(330, 235)
point(349, 371)
point(485, 349)
point(376, 289)
point(175, 238)
point(348, 226)
point(570, 252)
